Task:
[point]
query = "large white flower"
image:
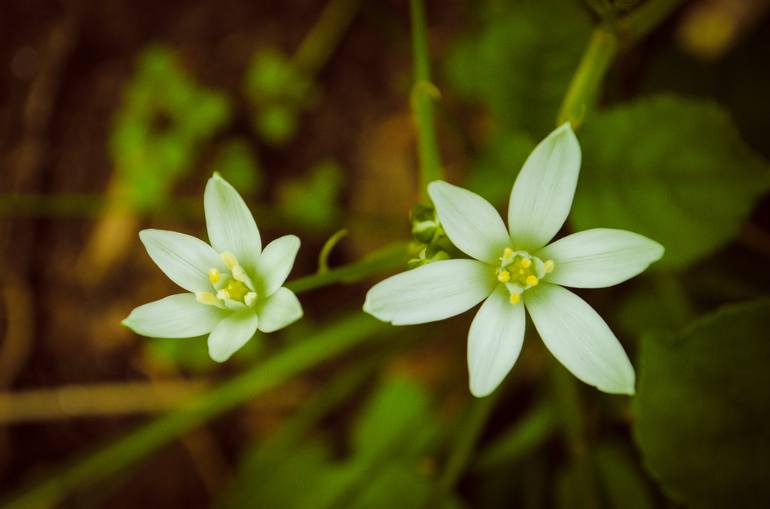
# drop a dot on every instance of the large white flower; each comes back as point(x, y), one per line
point(235, 287)
point(516, 268)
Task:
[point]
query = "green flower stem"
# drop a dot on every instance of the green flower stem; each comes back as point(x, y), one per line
point(389, 257)
point(423, 94)
point(602, 49)
point(318, 45)
point(644, 19)
point(463, 445)
point(583, 90)
point(342, 336)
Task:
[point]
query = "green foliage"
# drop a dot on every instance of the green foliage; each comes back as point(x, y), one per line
point(494, 172)
point(163, 120)
point(672, 169)
point(192, 354)
point(278, 91)
point(388, 442)
point(313, 201)
point(238, 164)
point(520, 61)
point(623, 485)
point(702, 409)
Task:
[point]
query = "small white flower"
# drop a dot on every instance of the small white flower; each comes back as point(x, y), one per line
point(235, 286)
point(515, 268)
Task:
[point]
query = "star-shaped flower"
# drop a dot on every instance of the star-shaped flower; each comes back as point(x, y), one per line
point(516, 268)
point(235, 287)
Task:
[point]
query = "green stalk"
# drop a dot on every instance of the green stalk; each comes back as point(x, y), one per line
point(463, 444)
point(387, 258)
point(423, 94)
point(296, 358)
point(319, 43)
point(602, 49)
point(583, 89)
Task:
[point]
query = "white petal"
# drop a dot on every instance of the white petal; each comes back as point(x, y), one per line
point(542, 195)
point(279, 310)
point(494, 342)
point(185, 259)
point(470, 221)
point(176, 316)
point(275, 263)
point(577, 336)
point(230, 224)
point(600, 257)
point(231, 334)
point(432, 292)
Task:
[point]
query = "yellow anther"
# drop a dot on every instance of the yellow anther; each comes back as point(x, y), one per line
point(525, 263)
point(214, 275)
point(229, 259)
point(250, 299)
point(207, 298)
point(515, 298)
point(532, 280)
point(223, 294)
point(548, 266)
point(503, 276)
point(507, 252)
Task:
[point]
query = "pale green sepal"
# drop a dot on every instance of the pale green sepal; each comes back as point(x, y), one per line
point(494, 342)
point(231, 334)
point(600, 257)
point(175, 316)
point(542, 194)
point(431, 292)
point(185, 259)
point(578, 337)
point(279, 310)
point(230, 225)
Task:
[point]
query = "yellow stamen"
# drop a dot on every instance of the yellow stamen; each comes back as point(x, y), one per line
point(507, 252)
point(250, 299)
point(515, 298)
point(214, 275)
point(223, 294)
point(207, 298)
point(229, 259)
point(503, 276)
point(239, 274)
point(532, 280)
point(548, 266)
point(525, 263)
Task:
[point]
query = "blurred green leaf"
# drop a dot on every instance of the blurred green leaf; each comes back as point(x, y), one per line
point(702, 409)
point(238, 164)
point(313, 201)
point(164, 118)
point(493, 173)
point(525, 435)
point(521, 60)
point(397, 420)
point(389, 441)
point(672, 169)
point(622, 483)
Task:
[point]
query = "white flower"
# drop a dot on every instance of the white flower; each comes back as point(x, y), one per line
point(514, 268)
point(235, 287)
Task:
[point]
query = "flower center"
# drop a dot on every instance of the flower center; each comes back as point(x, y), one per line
point(232, 289)
point(519, 271)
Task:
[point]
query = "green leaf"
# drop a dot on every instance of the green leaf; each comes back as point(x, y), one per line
point(520, 62)
point(702, 409)
point(672, 169)
point(397, 421)
point(623, 485)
